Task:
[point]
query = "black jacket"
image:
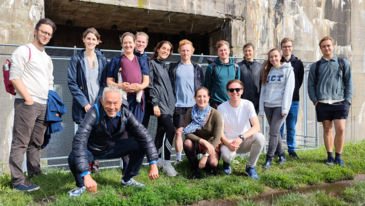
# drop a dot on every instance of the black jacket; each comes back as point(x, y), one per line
point(161, 93)
point(77, 82)
point(198, 75)
point(251, 78)
point(298, 74)
point(94, 136)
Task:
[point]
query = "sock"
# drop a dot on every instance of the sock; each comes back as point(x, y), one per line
point(167, 162)
point(159, 161)
point(338, 156)
point(330, 155)
point(178, 156)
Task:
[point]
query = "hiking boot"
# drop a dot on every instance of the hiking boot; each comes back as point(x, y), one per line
point(132, 183)
point(250, 171)
point(293, 154)
point(196, 175)
point(339, 162)
point(330, 161)
point(169, 170)
point(268, 162)
point(26, 186)
point(76, 192)
point(282, 159)
point(227, 168)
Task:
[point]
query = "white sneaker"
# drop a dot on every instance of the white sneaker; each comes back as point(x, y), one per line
point(159, 163)
point(177, 162)
point(169, 170)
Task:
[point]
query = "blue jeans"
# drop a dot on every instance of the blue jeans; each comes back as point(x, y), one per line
point(291, 121)
point(122, 148)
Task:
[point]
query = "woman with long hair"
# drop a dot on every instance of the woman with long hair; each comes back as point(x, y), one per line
point(163, 102)
point(203, 129)
point(86, 77)
point(275, 100)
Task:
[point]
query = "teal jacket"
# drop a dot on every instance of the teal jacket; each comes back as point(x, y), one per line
point(223, 74)
point(331, 83)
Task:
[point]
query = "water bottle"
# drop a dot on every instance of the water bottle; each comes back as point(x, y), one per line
point(6, 67)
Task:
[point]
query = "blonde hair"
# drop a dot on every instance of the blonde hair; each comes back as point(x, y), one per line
point(126, 34)
point(185, 42)
point(221, 43)
point(141, 33)
point(325, 39)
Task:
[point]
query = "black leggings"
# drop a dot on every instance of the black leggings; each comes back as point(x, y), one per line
point(192, 150)
point(165, 125)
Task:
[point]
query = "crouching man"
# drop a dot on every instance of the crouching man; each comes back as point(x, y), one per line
point(98, 138)
point(238, 135)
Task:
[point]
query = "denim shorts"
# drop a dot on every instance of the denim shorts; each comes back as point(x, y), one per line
point(338, 110)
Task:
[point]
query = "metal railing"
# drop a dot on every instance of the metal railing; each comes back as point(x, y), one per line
point(62, 140)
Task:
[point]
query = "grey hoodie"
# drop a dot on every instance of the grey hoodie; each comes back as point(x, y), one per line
point(278, 89)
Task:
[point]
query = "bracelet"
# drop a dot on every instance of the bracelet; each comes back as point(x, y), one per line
point(153, 162)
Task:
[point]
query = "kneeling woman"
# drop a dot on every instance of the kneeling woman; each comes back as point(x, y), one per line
point(203, 129)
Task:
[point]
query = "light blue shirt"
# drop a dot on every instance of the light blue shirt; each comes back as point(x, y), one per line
point(184, 86)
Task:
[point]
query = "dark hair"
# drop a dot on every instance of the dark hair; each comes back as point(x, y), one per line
point(267, 66)
point(234, 81)
point(202, 88)
point(93, 31)
point(48, 22)
point(158, 46)
point(247, 45)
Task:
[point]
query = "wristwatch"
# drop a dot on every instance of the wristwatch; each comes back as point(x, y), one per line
point(242, 137)
point(206, 154)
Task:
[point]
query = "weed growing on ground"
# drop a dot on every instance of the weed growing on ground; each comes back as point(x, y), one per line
point(356, 194)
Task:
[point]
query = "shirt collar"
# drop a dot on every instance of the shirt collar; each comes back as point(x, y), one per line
point(334, 59)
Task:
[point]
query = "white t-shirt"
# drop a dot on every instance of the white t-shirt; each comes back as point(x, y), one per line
point(236, 120)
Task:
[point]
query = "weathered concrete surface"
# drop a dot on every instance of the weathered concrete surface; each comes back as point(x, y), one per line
point(17, 22)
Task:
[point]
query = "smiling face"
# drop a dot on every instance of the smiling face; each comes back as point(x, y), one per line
point(164, 51)
point(43, 34)
point(90, 41)
point(234, 95)
point(248, 53)
point(275, 58)
point(141, 44)
point(128, 44)
point(186, 52)
point(112, 103)
point(287, 48)
point(223, 52)
point(202, 98)
point(327, 48)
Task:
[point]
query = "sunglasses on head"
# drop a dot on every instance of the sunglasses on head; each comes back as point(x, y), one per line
point(234, 89)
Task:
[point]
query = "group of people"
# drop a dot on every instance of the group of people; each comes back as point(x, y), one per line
point(216, 111)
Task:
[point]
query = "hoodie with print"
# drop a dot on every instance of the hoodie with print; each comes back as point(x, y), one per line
point(278, 89)
point(223, 74)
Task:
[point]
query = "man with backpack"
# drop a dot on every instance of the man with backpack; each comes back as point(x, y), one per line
point(98, 137)
point(31, 74)
point(330, 89)
point(219, 72)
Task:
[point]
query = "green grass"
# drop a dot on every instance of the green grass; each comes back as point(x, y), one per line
point(308, 170)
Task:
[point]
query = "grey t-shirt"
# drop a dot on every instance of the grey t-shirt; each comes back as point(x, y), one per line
point(92, 79)
point(184, 86)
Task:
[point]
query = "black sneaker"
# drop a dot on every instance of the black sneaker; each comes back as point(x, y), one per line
point(196, 175)
point(26, 186)
point(330, 161)
point(293, 154)
point(213, 172)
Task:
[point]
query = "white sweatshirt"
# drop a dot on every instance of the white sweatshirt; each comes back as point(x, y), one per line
point(37, 75)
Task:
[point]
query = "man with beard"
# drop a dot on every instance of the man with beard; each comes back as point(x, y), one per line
point(31, 74)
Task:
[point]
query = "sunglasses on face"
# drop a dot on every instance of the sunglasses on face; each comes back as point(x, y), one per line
point(234, 89)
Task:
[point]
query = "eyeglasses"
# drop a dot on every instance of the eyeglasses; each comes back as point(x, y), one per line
point(45, 33)
point(234, 89)
point(286, 47)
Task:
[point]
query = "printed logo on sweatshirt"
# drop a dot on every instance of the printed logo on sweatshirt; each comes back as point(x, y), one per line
point(275, 79)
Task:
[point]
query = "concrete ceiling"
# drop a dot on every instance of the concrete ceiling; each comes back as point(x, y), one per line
point(103, 16)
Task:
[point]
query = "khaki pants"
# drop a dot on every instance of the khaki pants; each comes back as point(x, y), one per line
point(28, 135)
